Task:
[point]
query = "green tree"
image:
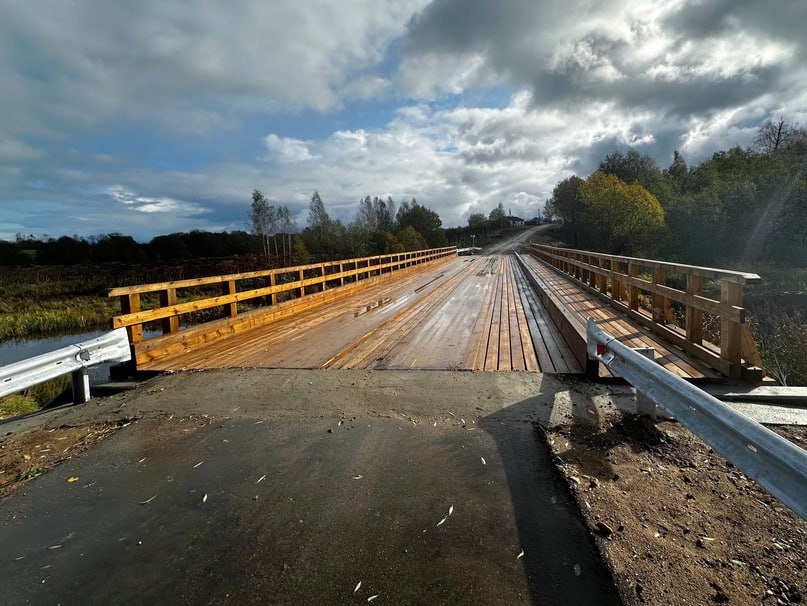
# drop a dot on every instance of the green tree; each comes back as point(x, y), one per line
point(262, 218)
point(620, 218)
point(424, 221)
point(410, 239)
point(497, 216)
point(567, 203)
point(477, 220)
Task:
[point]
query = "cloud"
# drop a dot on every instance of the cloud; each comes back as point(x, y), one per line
point(188, 68)
point(633, 54)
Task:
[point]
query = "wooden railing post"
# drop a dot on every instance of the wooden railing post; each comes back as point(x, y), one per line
point(731, 293)
point(633, 291)
point(603, 281)
point(130, 304)
point(694, 319)
point(616, 285)
point(659, 301)
point(271, 280)
point(324, 281)
point(228, 288)
point(341, 271)
point(592, 276)
point(168, 297)
point(301, 277)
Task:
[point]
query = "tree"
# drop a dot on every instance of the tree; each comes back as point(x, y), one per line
point(424, 221)
point(410, 239)
point(497, 215)
point(775, 136)
point(567, 203)
point(477, 220)
point(619, 218)
point(262, 219)
point(319, 221)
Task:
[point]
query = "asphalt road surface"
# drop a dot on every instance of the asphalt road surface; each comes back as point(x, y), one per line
point(428, 510)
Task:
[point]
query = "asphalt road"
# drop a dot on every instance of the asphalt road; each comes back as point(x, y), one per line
point(292, 511)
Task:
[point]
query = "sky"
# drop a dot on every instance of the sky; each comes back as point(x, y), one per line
point(157, 116)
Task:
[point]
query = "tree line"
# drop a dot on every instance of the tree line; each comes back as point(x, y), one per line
point(744, 206)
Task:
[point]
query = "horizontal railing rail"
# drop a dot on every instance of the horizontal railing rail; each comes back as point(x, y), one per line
point(168, 302)
point(775, 463)
point(74, 359)
point(623, 281)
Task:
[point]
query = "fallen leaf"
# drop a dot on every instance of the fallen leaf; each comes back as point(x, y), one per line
point(434, 424)
point(141, 460)
point(55, 547)
point(520, 555)
point(204, 498)
point(261, 479)
point(450, 510)
point(72, 479)
point(149, 500)
point(443, 521)
point(372, 597)
point(451, 413)
point(358, 477)
point(357, 587)
point(483, 461)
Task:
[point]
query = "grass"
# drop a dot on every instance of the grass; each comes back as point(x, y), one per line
point(34, 398)
point(15, 405)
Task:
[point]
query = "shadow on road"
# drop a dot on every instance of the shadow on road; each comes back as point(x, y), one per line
point(561, 561)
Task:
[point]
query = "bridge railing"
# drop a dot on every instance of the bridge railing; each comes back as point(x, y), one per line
point(671, 300)
point(774, 462)
point(270, 293)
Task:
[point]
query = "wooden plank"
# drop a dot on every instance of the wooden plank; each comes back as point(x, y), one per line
point(130, 304)
point(169, 297)
point(730, 332)
point(694, 317)
point(492, 356)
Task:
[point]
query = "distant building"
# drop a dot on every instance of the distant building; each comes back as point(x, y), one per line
point(511, 221)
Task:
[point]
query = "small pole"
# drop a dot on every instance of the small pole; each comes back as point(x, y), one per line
point(81, 385)
point(644, 405)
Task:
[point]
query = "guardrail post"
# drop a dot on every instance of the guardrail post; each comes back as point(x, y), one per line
point(731, 293)
point(644, 405)
point(81, 385)
point(694, 319)
point(168, 297)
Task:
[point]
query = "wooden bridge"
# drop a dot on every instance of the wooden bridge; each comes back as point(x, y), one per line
point(432, 309)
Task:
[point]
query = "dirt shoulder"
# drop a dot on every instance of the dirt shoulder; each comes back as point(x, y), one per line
point(677, 523)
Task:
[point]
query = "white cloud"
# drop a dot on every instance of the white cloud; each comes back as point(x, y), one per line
point(148, 204)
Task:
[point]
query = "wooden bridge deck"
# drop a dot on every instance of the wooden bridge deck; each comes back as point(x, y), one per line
point(580, 304)
point(467, 313)
point(470, 313)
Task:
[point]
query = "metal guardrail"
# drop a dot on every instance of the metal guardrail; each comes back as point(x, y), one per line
point(75, 359)
point(775, 463)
